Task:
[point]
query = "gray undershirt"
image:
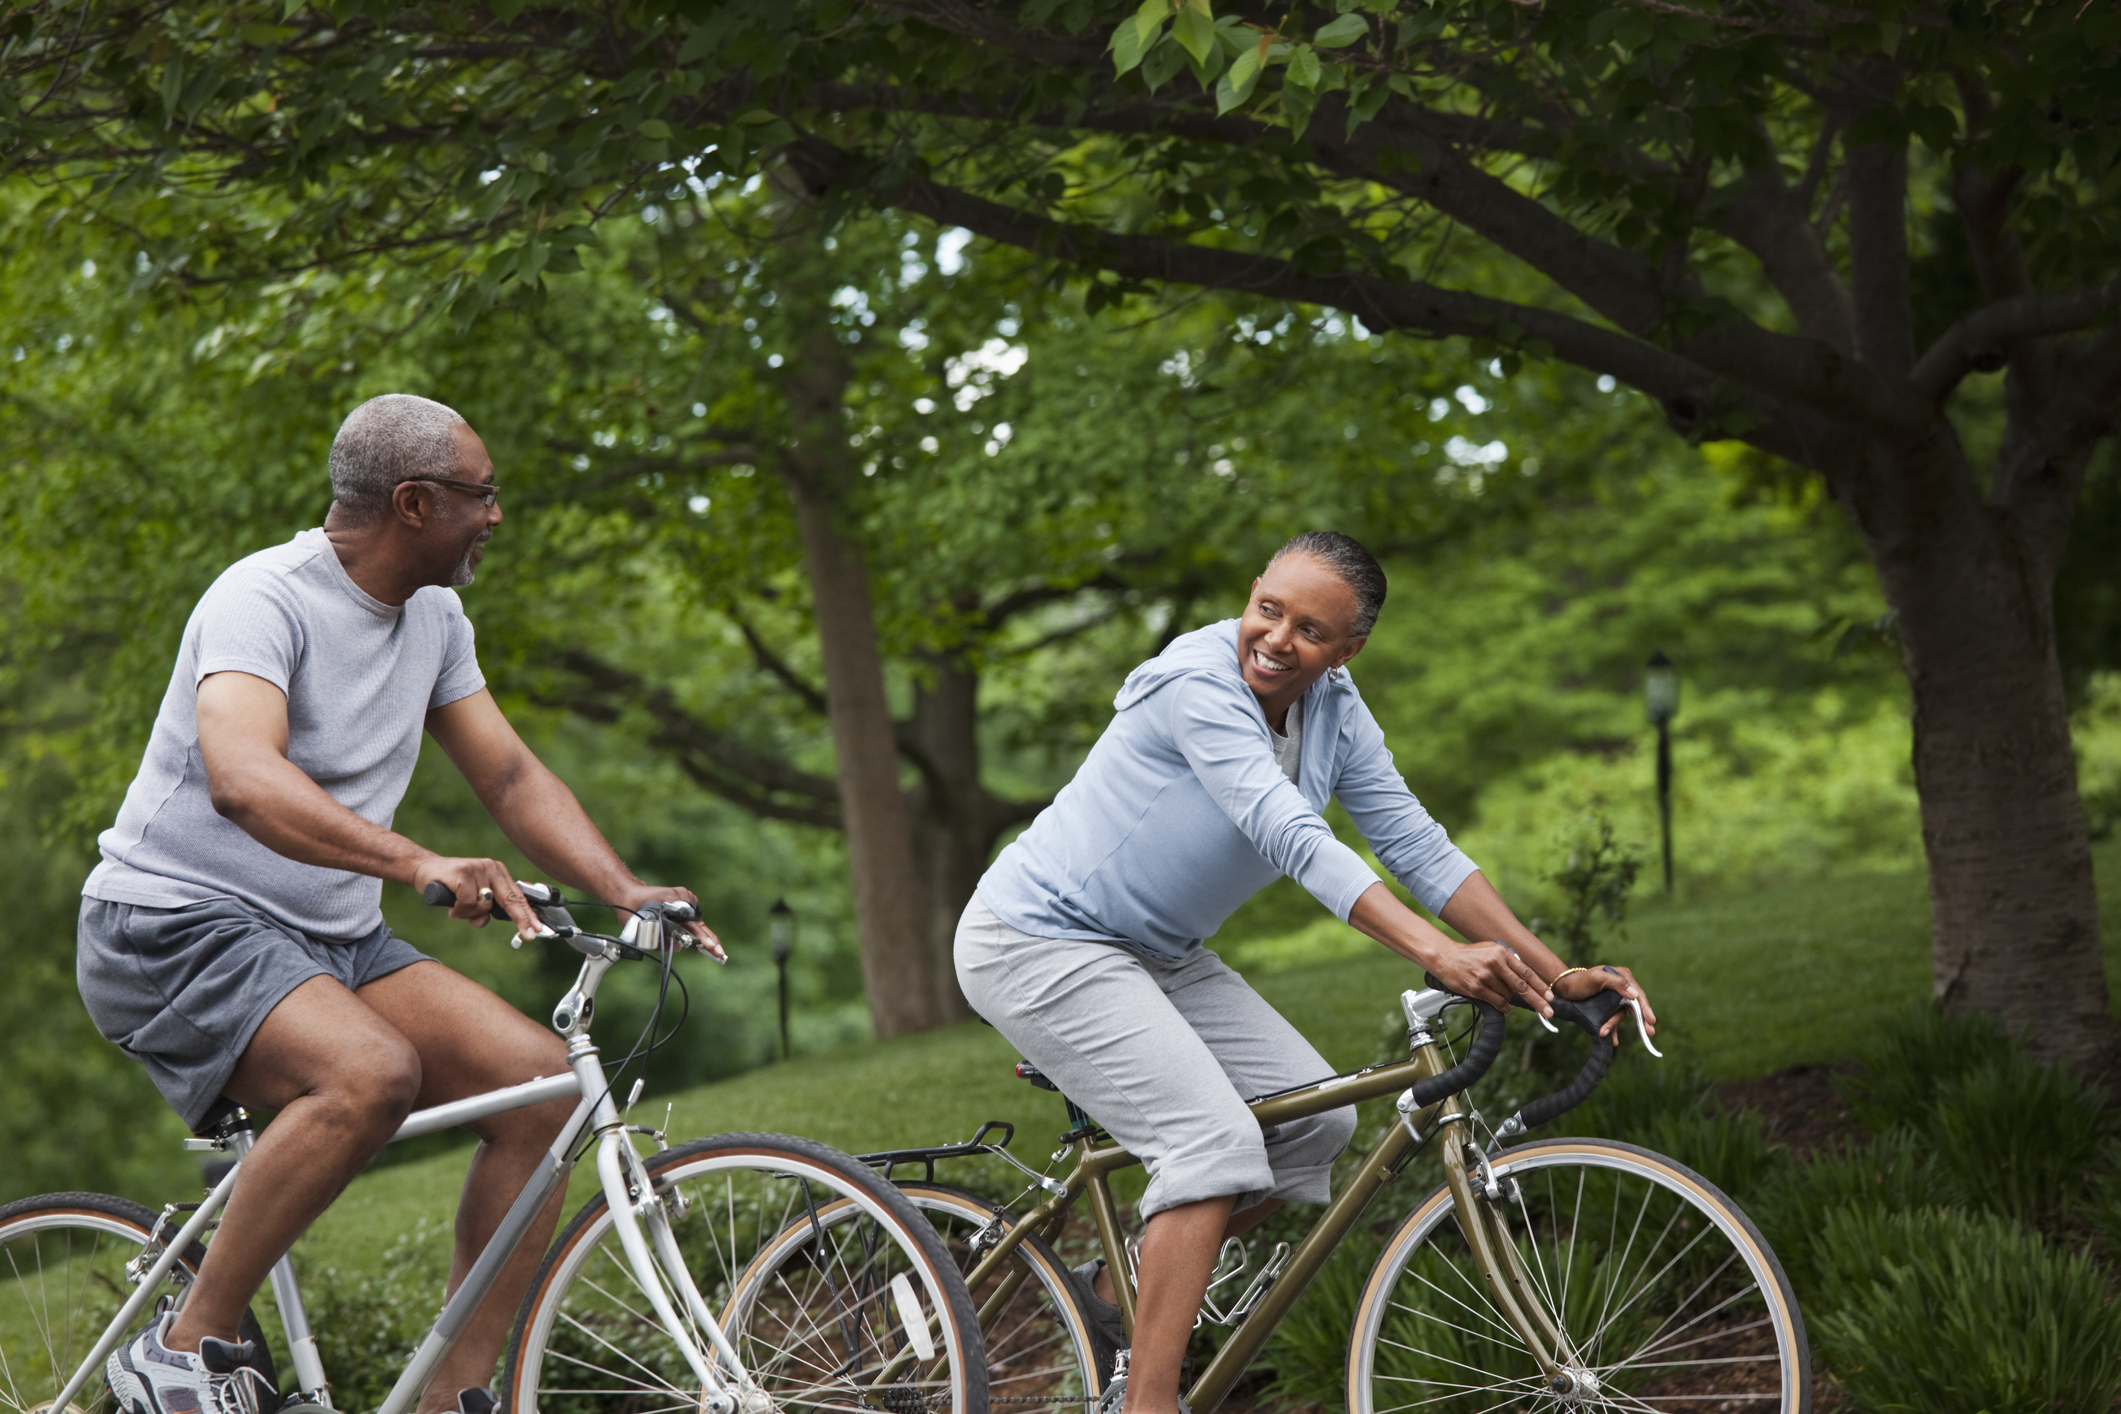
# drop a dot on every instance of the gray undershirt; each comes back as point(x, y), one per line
point(1288, 750)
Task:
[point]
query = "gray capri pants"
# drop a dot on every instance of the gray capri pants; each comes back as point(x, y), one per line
point(1163, 1055)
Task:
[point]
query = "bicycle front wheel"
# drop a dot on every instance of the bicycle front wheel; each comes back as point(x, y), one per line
point(1664, 1292)
point(864, 1312)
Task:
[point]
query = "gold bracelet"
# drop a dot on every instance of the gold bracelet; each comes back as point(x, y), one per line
point(1564, 973)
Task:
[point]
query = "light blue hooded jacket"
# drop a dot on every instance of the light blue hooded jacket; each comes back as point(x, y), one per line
point(1179, 814)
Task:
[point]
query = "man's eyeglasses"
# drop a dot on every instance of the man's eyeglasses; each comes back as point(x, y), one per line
point(487, 492)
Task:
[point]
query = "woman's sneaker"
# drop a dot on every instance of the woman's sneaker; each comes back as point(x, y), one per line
point(147, 1377)
point(1108, 1333)
point(1114, 1399)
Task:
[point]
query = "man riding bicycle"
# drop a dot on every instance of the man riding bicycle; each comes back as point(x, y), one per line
point(231, 939)
point(1083, 942)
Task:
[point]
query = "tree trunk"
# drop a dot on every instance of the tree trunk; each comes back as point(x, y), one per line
point(890, 910)
point(955, 820)
point(2015, 923)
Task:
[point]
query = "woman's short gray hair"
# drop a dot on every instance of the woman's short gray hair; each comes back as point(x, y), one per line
point(387, 440)
point(1352, 564)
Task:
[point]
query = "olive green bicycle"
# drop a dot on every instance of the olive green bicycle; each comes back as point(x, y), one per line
point(1556, 1274)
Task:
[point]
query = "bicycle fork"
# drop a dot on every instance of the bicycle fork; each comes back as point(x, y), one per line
point(1479, 1202)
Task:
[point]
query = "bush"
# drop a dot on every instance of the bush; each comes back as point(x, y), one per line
point(369, 1322)
point(1894, 1173)
point(2017, 1137)
point(1945, 1312)
point(1668, 1107)
point(1924, 1050)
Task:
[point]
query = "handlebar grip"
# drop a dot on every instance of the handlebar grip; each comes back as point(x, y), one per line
point(1590, 1014)
point(1547, 1107)
point(1486, 1047)
point(440, 895)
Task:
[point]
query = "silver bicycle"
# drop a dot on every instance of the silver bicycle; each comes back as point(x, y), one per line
point(677, 1288)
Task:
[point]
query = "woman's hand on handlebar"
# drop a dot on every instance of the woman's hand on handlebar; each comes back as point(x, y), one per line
point(1580, 986)
point(703, 937)
point(1491, 973)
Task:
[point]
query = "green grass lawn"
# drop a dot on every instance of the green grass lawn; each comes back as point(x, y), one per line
point(1746, 983)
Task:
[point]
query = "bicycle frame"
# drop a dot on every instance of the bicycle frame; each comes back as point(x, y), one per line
point(1480, 1218)
point(642, 1222)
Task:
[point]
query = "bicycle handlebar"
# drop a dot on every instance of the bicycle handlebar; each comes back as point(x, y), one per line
point(1590, 1014)
point(1463, 1076)
point(440, 895)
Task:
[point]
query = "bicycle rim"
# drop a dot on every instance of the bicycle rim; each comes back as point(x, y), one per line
point(863, 1313)
point(1664, 1290)
point(62, 1279)
point(1040, 1353)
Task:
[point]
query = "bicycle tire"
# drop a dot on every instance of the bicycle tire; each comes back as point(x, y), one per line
point(62, 1279)
point(1668, 1292)
point(814, 1316)
point(1039, 1344)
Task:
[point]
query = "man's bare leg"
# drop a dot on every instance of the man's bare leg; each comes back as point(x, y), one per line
point(343, 1080)
point(470, 1041)
point(1177, 1258)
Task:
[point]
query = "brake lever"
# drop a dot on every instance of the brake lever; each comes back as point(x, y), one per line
point(1642, 1030)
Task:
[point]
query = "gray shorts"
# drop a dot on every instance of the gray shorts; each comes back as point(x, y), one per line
point(1163, 1055)
point(182, 990)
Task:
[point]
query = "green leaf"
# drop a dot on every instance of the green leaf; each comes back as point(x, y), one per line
point(1196, 34)
point(1127, 47)
point(1304, 68)
point(1342, 32)
point(1149, 20)
point(172, 86)
point(1237, 84)
point(655, 128)
point(262, 35)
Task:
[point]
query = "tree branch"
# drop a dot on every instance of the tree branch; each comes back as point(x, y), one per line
point(1769, 219)
point(1878, 259)
point(757, 782)
point(811, 696)
point(1685, 379)
point(1979, 340)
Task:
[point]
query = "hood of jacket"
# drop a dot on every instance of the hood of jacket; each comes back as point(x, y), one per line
point(1213, 650)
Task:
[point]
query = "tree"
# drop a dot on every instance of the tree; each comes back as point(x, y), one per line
point(1819, 230)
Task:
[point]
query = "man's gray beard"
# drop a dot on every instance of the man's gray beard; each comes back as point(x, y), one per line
point(462, 574)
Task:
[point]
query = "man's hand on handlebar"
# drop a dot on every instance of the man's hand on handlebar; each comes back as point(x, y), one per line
point(1491, 973)
point(1579, 986)
point(481, 886)
point(702, 936)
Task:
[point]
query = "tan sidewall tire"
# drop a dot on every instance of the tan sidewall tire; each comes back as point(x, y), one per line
point(1704, 1197)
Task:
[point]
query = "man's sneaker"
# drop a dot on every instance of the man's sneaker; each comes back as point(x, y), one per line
point(147, 1377)
point(1108, 1333)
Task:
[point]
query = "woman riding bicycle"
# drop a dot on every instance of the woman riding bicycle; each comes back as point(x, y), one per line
point(1083, 942)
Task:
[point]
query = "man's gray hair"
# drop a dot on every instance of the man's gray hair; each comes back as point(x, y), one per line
point(385, 441)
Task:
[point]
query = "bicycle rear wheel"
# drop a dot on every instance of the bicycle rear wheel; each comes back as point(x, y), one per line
point(864, 1312)
point(63, 1277)
point(1040, 1351)
point(1668, 1294)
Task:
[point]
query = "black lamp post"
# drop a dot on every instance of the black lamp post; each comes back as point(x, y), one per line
point(1660, 698)
point(782, 920)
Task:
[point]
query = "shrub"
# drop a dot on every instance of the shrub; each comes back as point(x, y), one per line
point(1308, 1351)
point(1668, 1107)
point(2017, 1137)
point(1945, 1312)
point(1893, 1173)
point(369, 1322)
point(1923, 1050)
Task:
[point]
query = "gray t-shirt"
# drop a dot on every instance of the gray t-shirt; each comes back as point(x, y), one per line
point(360, 677)
point(1289, 749)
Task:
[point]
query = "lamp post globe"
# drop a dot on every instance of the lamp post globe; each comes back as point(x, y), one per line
point(1660, 703)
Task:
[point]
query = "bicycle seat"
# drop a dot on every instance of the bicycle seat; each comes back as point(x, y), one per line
point(1025, 1070)
point(218, 1117)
